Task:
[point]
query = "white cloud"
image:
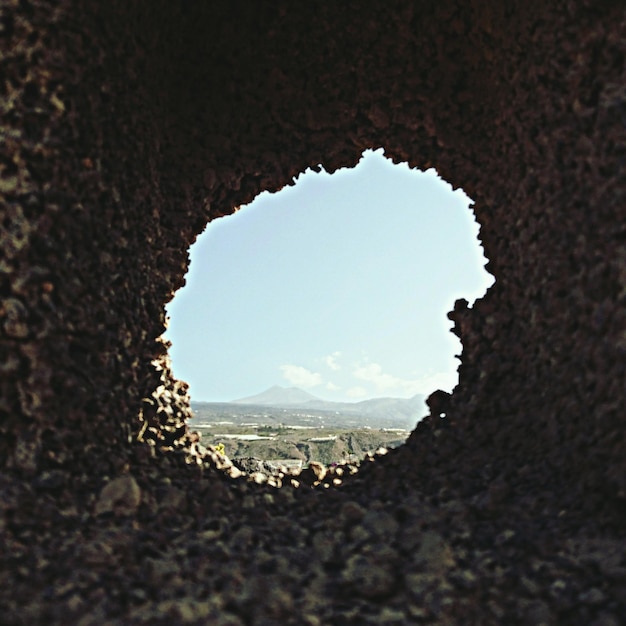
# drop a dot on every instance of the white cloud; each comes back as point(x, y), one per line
point(373, 373)
point(300, 376)
point(356, 392)
point(387, 383)
point(331, 361)
point(332, 387)
point(446, 381)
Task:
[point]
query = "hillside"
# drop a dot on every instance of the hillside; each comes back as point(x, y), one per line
point(294, 406)
point(325, 445)
point(305, 434)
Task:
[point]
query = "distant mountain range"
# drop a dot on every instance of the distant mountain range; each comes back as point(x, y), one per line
point(397, 409)
point(279, 397)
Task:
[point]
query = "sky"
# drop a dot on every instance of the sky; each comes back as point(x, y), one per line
point(338, 285)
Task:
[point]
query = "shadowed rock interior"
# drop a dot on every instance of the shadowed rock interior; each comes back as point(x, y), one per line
point(126, 127)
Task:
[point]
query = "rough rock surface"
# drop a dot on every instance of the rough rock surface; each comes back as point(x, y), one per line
point(126, 126)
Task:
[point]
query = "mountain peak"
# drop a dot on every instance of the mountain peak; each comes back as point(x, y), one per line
point(278, 396)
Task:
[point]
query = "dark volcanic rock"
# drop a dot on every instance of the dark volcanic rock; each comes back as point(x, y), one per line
point(126, 126)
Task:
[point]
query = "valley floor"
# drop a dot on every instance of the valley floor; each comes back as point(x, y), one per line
point(324, 445)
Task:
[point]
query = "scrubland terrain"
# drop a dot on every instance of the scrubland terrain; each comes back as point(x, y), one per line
point(270, 434)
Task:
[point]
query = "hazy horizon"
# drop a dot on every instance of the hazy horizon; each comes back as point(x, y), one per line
point(287, 388)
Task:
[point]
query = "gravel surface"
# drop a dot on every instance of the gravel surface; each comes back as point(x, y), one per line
point(178, 540)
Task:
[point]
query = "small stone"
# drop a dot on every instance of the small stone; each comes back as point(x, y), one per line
point(278, 602)
point(529, 586)
point(352, 512)
point(466, 579)
point(418, 612)
point(593, 597)
point(358, 534)
point(535, 612)
point(380, 524)
point(324, 546)
point(418, 584)
point(368, 577)
point(235, 472)
point(258, 477)
point(504, 537)
point(434, 554)
point(210, 535)
point(558, 587)
point(391, 617)
point(51, 480)
point(318, 469)
point(174, 499)
point(14, 316)
point(98, 553)
point(184, 610)
point(74, 602)
point(243, 538)
point(158, 571)
point(496, 610)
point(606, 619)
point(121, 496)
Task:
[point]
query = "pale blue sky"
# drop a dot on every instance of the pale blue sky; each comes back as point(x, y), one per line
point(339, 285)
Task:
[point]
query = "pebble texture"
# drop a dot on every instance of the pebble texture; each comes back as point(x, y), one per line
point(126, 126)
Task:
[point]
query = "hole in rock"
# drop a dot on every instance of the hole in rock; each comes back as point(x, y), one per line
point(321, 310)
